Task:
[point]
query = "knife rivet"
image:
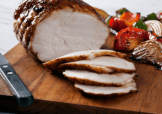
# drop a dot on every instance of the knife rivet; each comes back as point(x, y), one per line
point(5, 66)
point(9, 72)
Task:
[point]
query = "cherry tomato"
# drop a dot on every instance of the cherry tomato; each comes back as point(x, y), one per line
point(128, 38)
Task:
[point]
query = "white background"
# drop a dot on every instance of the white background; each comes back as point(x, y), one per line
point(7, 8)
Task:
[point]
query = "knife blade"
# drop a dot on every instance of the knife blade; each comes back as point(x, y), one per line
point(15, 84)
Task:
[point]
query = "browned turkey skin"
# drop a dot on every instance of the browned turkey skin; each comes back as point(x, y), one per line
point(32, 16)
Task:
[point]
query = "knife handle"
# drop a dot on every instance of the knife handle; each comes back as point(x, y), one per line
point(16, 86)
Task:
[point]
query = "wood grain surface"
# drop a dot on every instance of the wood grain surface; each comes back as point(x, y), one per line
point(54, 93)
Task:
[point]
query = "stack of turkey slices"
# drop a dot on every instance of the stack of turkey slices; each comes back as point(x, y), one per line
point(97, 72)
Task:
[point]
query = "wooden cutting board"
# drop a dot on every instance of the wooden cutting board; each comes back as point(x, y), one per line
point(54, 93)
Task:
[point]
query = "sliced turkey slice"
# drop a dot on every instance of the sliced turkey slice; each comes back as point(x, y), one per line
point(80, 55)
point(106, 90)
point(103, 64)
point(91, 78)
point(52, 28)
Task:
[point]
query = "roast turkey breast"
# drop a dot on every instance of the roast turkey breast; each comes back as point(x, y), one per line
point(80, 55)
point(52, 28)
point(106, 90)
point(103, 64)
point(92, 78)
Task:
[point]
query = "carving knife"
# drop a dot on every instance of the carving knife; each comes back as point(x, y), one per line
point(15, 84)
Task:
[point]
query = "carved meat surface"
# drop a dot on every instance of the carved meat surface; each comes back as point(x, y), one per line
point(103, 64)
point(106, 90)
point(50, 29)
point(92, 78)
point(80, 55)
